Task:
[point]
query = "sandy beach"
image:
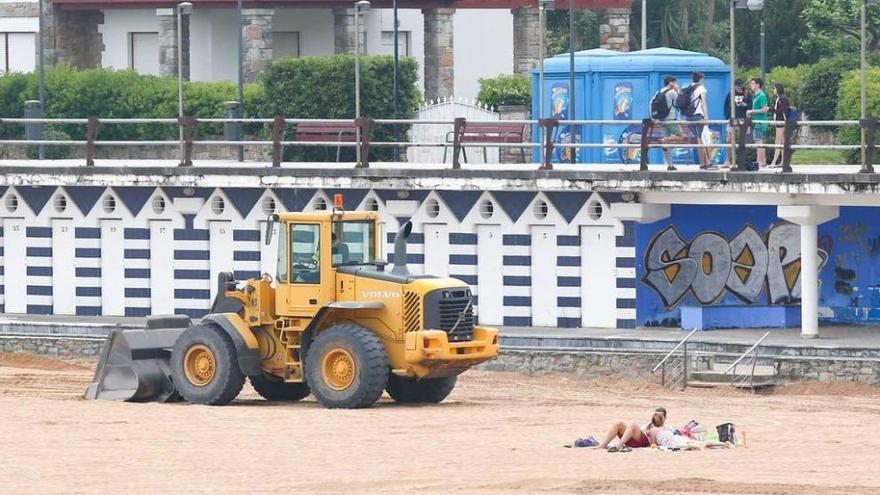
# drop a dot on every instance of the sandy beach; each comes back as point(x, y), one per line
point(499, 433)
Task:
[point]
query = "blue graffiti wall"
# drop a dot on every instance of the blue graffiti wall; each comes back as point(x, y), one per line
point(744, 256)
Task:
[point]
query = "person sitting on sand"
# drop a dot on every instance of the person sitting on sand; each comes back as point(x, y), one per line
point(634, 436)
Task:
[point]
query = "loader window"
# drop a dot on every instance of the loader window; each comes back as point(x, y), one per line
point(305, 252)
point(354, 243)
point(283, 260)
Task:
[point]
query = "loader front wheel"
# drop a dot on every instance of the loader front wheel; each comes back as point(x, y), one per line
point(347, 367)
point(276, 389)
point(204, 366)
point(415, 391)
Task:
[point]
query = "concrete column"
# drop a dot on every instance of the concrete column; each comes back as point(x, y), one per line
point(526, 48)
point(72, 37)
point(614, 30)
point(439, 53)
point(640, 212)
point(168, 43)
point(809, 218)
point(343, 31)
point(257, 41)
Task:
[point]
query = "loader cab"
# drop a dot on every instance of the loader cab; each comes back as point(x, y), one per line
point(310, 248)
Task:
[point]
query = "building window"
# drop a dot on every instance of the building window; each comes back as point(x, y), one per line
point(403, 44)
point(143, 53)
point(285, 44)
point(17, 52)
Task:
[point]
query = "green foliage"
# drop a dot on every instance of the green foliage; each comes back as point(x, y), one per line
point(820, 90)
point(833, 26)
point(586, 30)
point(849, 106)
point(323, 87)
point(792, 78)
point(505, 90)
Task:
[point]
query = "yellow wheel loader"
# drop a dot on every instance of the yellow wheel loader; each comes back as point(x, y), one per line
point(334, 322)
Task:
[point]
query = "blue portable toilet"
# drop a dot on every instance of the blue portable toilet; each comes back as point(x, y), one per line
point(613, 85)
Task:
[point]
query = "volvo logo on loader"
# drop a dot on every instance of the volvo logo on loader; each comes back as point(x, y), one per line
point(342, 355)
point(380, 294)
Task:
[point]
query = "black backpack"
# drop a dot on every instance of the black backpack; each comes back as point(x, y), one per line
point(659, 106)
point(683, 101)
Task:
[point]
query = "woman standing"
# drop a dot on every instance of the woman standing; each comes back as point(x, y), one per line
point(780, 113)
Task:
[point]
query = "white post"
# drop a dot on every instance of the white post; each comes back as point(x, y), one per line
point(809, 280)
point(809, 218)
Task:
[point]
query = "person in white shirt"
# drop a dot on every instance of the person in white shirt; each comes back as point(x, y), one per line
point(700, 106)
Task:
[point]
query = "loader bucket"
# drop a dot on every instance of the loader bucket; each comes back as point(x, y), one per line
point(135, 364)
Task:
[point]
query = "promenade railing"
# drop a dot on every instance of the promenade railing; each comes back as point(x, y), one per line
point(544, 129)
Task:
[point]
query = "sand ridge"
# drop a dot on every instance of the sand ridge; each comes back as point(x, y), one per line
point(499, 433)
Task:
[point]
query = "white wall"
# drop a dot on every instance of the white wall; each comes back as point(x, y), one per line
point(483, 40)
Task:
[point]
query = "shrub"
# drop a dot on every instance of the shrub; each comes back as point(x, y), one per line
point(819, 95)
point(323, 88)
point(505, 90)
point(849, 107)
point(792, 78)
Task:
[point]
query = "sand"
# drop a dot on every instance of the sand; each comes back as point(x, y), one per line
point(499, 433)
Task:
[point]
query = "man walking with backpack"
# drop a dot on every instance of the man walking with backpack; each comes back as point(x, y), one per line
point(693, 104)
point(663, 111)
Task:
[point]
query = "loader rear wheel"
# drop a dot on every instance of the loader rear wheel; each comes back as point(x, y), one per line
point(347, 367)
point(204, 366)
point(414, 391)
point(275, 389)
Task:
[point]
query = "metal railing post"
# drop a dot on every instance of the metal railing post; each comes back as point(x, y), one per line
point(549, 125)
point(869, 129)
point(365, 126)
point(663, 374)
point(647, 127)
point(788, 131)
point(91, 132)
point(743, 132)
point(33, 131)
point(684, 380)
point(277, 136)
point(457, 133)
point(232, 130)
point(188, 125)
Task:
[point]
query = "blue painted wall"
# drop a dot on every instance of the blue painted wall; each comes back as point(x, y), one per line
point(711, 255)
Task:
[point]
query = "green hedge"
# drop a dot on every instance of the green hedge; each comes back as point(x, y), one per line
point(792, 78)
point(505, 90)
point(849, 106)
point(822, 84)
point(323, 87)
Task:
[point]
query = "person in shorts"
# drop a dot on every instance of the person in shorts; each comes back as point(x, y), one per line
point(670, 129)
point(699, 102)
point(758, 113)
point(633, 436)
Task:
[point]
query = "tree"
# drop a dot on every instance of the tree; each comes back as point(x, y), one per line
point(833, 26)
point(586, 27)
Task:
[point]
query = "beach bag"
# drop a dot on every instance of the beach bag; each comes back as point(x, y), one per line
point(659, 105)
point(726, 432)
point(683, 101)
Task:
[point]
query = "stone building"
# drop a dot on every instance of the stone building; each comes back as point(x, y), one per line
point(455, 45)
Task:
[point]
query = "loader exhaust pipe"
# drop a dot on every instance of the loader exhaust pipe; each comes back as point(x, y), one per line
point(400, 267)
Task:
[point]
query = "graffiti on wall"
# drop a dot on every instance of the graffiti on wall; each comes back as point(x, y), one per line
point(712, 264)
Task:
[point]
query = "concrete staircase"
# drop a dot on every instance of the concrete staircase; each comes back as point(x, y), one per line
point(765, 376)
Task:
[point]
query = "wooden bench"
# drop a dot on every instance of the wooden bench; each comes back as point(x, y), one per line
point(317, 132)
point(488, 133)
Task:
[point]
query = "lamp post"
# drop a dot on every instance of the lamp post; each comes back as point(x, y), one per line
point(42, 80)
point(183, 9)
point(572, 113)
point(394, 83)
point(543, 5)
point(732, 87)
point(863, 108)
point(238, 8)
point(360, 6)
point(758, 6)
point(644, 24)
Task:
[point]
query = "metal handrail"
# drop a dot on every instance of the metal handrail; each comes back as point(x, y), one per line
point(670, 353)
point(743, 356)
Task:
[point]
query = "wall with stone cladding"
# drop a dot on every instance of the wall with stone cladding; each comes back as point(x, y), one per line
point(73, 38)
point(526, 48)
point(168, 44)
point(19, 9)
point(439, 53)
point(516, 112)
point(257, 39)
point(63, 347)
point(614, 30)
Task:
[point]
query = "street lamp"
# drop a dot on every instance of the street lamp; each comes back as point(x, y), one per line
point(360, 6)
point(183, 9)
point(394, 84)
point(644, 24)
point(543, 5)
point(758, 6)
point(863, 112)
point(572, 113)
